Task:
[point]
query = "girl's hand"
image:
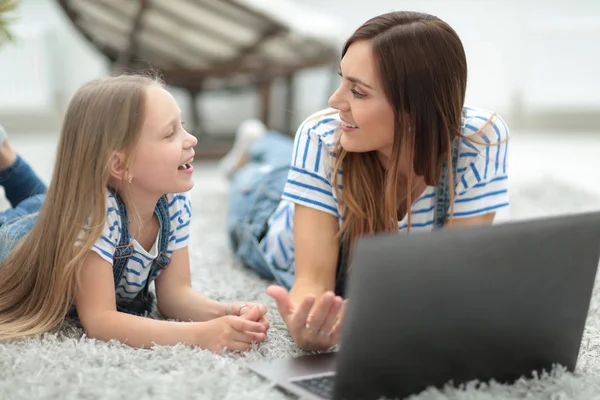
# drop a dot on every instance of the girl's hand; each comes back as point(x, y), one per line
point(251, 311)
point(314, 325)
point(230, 332)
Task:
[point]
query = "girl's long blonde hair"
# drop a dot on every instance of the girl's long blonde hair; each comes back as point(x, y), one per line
point(39, 277)
point(423, 70)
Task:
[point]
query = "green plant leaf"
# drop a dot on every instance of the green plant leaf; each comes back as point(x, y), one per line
point(6, 6)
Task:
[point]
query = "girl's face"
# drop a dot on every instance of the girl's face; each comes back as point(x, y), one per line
point(162, 161)
point(367, 117)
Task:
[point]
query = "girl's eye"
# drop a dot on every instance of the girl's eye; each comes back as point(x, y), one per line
point(170, 134)
point(357, 95)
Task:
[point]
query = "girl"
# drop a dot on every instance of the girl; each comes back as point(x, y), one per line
point(398, 151)
point(115, 218)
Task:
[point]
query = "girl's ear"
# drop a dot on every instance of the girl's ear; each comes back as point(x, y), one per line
point(117, 168)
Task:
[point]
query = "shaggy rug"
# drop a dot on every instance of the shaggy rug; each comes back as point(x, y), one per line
point(68, 365)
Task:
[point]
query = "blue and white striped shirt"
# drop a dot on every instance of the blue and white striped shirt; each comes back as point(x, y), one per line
point(481, 185)
point(138, 266)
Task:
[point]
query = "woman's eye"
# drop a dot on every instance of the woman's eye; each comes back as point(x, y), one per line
point(357, 95)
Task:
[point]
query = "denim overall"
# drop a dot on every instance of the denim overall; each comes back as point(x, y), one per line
point(142, 303)
point(256, 192)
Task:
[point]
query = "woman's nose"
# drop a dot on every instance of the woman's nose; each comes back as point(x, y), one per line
point(337, 101)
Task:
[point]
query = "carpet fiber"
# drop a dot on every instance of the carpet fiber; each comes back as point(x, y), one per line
point(68, 365)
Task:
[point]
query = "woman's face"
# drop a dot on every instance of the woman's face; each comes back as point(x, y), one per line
point(367, 117)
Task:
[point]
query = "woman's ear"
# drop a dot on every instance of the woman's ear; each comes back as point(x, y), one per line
point(117, 168)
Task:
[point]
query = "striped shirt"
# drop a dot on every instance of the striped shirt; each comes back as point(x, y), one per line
point(481, 180)
point(138, 266)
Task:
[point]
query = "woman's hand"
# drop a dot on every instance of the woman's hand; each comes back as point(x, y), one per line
point(313, 324)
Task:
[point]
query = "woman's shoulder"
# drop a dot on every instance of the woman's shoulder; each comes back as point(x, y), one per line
point(321, 126)
point(483, 148)
point(485, 127)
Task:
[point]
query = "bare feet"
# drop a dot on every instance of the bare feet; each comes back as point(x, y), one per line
point(7, 155)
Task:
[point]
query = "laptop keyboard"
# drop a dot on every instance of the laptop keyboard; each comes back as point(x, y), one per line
point(321, 386)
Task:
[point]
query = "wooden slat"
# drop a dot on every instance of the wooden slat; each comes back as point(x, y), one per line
point(261, 55)
point(132, 41)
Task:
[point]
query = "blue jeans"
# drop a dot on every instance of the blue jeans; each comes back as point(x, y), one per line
point(254, 195)
point(26, 192)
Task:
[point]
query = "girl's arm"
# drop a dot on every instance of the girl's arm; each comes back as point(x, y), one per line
point(175, 296)
point(177, 299)
point(96, 307)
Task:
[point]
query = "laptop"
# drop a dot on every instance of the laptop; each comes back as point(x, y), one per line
point(451, 306)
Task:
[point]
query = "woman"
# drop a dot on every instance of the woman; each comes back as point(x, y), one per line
point(385, 157)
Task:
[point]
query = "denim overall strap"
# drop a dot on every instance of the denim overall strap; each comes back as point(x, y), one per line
point(162, 259)
point(124, 248)
point(341, 272)
point(142, 303)
point(442, 192)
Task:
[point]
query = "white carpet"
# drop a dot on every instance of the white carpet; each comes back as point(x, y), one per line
point(68, 365)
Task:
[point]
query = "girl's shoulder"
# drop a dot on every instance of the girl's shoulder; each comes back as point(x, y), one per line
point(322, 126)
point(178, 199)
point(180, 207)
point(175, 203)
point(113, 213)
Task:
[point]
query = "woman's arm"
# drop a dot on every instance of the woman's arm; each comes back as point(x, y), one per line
point(485, 219)
point(316, 250)
point(96, 307)
point(311, 310)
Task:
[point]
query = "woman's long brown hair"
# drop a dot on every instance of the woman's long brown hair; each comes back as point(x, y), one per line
point(423, 70)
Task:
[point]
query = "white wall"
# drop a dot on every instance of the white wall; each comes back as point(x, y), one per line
point(524, 56)
point(43, 67)
point(75, 60)
point(545, 52)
